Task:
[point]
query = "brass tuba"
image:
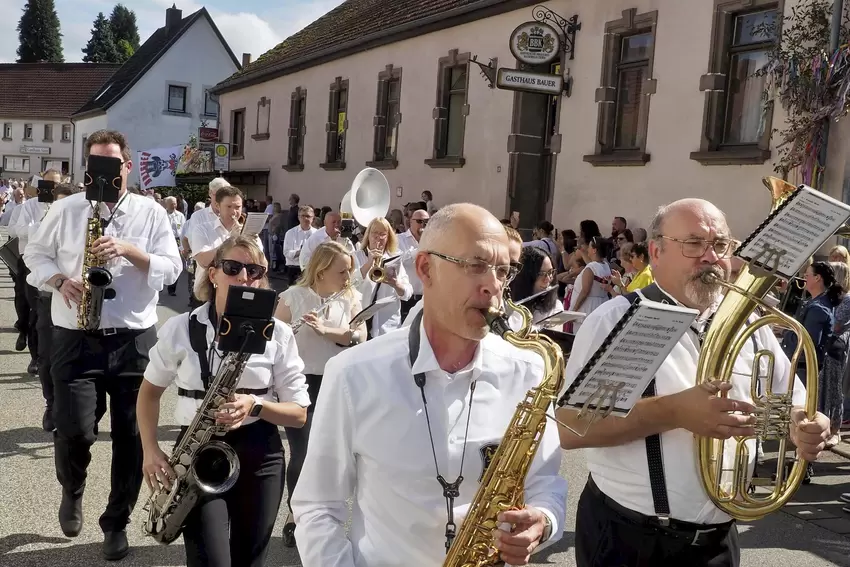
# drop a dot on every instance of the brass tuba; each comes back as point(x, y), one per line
point(726, 336)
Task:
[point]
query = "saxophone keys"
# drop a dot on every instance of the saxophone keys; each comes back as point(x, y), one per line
point(180, 470)
point(161, 499)
point(184, 462)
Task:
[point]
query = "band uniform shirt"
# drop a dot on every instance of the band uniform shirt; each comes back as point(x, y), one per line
point(207, 236)
point(622, 472)
point(369, 440)
point(174, 361)
point(176, 220)
point(388, 318)
point(25, 220)
point(321, 235)
point(6, 216)
point(293, 241)
point(314, 349)
point(58, 247)
point(408, 247)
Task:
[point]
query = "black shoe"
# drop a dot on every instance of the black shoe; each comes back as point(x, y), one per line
point(71, 514)
point(115, 545)
point(289, 534)
point(810, 472)
point(33, 368)
point(21, 343)
point(47, 422)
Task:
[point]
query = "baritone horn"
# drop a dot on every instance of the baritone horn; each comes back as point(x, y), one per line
point(725, 480)
point(367, 200)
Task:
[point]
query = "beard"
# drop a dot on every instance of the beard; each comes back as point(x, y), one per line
point(703, 289)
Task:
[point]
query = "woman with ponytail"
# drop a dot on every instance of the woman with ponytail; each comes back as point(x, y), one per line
point(831, 379)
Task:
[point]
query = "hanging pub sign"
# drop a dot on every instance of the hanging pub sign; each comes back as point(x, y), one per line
point(526, 81)
point(535, 43)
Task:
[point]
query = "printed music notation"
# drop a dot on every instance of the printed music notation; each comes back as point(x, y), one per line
point(791, 236)
point(631, 355)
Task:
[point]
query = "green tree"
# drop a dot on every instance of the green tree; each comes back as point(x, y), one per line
point(125, 50)
point(122, 21)
point(39, 34)
point(101, 47)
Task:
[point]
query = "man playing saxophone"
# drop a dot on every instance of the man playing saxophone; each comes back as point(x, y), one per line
point(139, 250)
point(642, 505)
point(407, 423)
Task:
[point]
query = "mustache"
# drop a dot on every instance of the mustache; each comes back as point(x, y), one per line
point(709, 275)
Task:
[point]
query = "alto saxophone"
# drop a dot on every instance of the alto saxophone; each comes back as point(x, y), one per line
point(503, 485)
point(96, 278)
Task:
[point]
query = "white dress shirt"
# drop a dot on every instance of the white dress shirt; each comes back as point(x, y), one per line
point(293, 241)
point(207, 236)
point(177, 220)
point(622, 472)
point(389, 317)
point(25, 220)
point(6, 217)
point(58, 247)
point(408, 246)
point(173, 360)
point(321, 235)
point(369, 441)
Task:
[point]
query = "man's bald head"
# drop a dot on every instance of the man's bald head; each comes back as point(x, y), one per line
point(692, 208)
point(454, 223)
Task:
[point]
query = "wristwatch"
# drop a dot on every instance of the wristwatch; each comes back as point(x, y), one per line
point(59, 282)
point(547, 531)
point(257, 407)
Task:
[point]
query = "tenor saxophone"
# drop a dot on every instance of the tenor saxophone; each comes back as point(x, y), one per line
point(96, 278)
point(503, 485)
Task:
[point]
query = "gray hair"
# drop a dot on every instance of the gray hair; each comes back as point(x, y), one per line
point(438, 225)
point(305, 209)
point(200, 205)
point(218, 183)
point(842, 275)
point(170, 199)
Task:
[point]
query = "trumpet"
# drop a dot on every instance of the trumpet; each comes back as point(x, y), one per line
point(321, 308)
point(377, 273)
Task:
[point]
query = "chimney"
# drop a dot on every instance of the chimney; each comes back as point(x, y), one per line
point(246, 59)
point(173, 17)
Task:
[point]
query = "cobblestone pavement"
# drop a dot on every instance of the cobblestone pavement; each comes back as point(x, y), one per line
point(812, 531)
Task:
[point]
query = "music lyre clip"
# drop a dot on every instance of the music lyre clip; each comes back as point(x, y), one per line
point(609, 391)
point(768, 267)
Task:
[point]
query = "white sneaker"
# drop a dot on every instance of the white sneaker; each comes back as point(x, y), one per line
point(833, 441)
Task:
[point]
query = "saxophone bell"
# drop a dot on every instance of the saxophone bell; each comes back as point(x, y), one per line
point(215, 467)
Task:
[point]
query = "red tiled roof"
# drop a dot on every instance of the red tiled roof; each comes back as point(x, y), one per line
point(49, 90)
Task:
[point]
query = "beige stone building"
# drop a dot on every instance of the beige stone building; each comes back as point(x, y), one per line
point(662, 103)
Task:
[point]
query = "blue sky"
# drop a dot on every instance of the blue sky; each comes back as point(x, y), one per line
point(249, 26)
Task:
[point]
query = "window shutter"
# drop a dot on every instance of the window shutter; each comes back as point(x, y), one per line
point(441, 131)
point(381, 120)
point(293, 133)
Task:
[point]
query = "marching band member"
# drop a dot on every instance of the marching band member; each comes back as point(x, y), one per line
point(294, 240)
point(378, 426)
point(235, 526)
point(380, 241)
point(138, 248)
point(201, 215)
point(331, 231)
point(408, 245)
point(536, 275)
point(644, 505)
point(324, 333)
point(176, 219)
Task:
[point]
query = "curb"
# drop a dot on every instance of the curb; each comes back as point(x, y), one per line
point(842, 451)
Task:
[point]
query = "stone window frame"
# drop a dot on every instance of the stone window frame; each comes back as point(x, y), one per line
point(48, 132)
point(381, 120)
point(715, 83)
point(69, 129)
point(258, 135)
point(332, 125)
point(631, 23)
point(440, 113)
point(8, 129)
point(296, 131)
point(241, 154)
point(29, 126)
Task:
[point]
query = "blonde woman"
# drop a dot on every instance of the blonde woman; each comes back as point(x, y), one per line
point(324, 333)
point(272, 391)
point(380, 241)
point(839, 254)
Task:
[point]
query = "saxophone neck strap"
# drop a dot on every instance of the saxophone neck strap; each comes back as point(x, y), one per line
point(198, 340)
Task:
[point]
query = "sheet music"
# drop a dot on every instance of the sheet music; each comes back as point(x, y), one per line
point(368, 312)
point(796, 232)
point(629, 359)
point(254, 223)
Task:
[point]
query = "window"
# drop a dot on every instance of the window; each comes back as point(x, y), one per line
point(27, 131)
point(66, 132)
point(296, 131)
point(210, 103)
point(176, 98)
point(48, 132)
point(264, 110)
point(7, 131)
point(237, 133)
point(451, 111)
point(16, 164)
point(737, 119)
point(387, 119)
point(624, 95)
point(337, 126)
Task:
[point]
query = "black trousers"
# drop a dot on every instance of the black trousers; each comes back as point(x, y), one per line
point(22, 306)
point(607, 537)
point(292, 274)
point(83, 364)
point(407, 305)
point(234, 529)
point(298, 437)
point(32, 332)
point(44, 327)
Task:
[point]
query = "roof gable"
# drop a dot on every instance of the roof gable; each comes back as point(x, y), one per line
point(143, 60)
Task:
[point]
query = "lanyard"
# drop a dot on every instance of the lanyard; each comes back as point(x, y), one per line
point(105, 223)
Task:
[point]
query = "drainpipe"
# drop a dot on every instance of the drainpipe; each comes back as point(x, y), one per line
point(835, 30)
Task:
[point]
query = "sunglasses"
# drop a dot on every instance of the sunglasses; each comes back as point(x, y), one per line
point(233, 268)
point(423, 222)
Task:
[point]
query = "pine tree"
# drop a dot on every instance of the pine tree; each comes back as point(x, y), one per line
point(101, 47)
point(125, 31)
point(39, 34)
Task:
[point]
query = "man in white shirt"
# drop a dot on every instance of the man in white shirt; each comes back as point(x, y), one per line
point(23, 311)
point(378, 450)
point(139, 250)
point(176, 219)
point(642, 504)
point(331, 231)
point(294, 240)
point(408, 245)
point(17, 199)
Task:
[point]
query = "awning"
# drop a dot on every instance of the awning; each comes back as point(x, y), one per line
point(236, 177)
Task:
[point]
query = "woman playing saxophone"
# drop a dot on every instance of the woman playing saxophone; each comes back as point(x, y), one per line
point(272, 391)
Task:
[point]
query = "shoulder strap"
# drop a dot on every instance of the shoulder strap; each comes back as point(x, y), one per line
point(198, 340)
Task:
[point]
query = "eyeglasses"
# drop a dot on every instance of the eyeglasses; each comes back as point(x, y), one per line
point(423, 222)
point(233, 268)
point(480, 267)
point(696, 247)
point(548, 273)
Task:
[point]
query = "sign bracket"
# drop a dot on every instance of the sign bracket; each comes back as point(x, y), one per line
point(568, 27)
point(487, 71)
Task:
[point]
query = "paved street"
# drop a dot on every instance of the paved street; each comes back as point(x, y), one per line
point(808, 533)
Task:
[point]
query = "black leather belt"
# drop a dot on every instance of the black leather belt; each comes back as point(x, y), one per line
point(45, 294)
point(112, 331)
point(200, 394)
point(696, 534)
